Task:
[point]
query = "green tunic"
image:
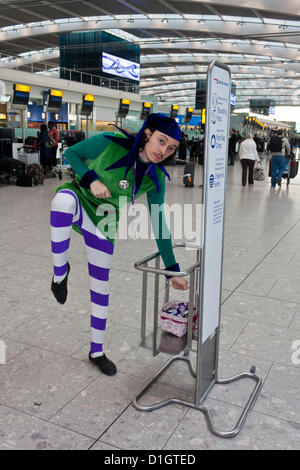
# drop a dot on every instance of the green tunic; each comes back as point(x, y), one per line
point(98, 153)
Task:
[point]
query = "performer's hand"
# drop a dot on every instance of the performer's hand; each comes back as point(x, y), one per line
point(99, 190)
point(179, 283)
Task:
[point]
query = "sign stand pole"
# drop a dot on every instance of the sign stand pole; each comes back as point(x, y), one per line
point(210, 279)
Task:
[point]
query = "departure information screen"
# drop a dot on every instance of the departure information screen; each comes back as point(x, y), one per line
point(21, 94)
point(55, 99)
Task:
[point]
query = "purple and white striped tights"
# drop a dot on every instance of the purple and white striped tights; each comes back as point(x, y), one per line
point(65, 211)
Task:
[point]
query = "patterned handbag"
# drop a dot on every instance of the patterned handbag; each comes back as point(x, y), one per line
point(174, 317)
point(259, 173)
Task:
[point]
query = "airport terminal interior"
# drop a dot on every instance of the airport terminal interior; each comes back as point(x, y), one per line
point(70, 69)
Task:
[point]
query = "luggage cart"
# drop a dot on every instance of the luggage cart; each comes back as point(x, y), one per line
point(207, 353)
point(28, 155)
point(62, 166)
point(151, 342)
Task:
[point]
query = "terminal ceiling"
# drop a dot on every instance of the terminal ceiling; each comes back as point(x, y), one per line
point(259, 40)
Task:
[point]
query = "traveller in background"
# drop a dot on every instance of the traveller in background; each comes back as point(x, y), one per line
point(248, 156)
point(279, 147)
point(53, 133)
point(231, 147)
point(45, 153)
point(182, 149)
point(239, 137)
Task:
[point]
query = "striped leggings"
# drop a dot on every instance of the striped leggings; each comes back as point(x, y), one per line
point(66, 210)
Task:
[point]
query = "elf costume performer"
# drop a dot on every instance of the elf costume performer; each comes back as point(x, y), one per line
point(108, 166)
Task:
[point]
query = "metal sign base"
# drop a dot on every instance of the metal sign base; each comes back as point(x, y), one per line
point(233, 432)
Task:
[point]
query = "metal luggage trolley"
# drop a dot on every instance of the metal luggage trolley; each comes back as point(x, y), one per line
point(207, 355)
point(206, 272)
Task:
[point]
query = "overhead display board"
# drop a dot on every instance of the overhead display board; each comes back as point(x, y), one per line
point(188, 114)
point(55, 99)
point(120, 67)
point(261, 106)
point(21, 94)
point(123, 107)
point(87, 104)
point(174, 110)
point(146, 109)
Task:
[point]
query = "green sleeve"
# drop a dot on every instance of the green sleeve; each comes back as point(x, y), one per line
point(159, 225)
point(86, 149)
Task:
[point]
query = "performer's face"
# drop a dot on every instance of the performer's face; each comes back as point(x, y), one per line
point(159, 147)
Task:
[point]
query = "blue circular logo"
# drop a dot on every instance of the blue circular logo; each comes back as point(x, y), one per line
point(211, 180)
point(213, 141)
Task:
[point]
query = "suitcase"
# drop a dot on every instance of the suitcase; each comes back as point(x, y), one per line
point(293, 168)
point(24, 180)
point(188, 175)
point(12, 167)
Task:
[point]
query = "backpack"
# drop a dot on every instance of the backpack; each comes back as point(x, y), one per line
point(275, 144)
point(36, 172)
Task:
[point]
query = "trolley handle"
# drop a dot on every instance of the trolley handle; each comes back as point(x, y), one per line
point(139, 265)
point(167, 273)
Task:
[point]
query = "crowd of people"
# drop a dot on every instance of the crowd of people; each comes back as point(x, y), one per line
point(247, 147)
point(278, 146)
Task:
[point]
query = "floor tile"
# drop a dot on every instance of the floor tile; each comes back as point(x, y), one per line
point(279, 396)
point(230, 330)
point(15, 312)
point(97, 406)
point(136, 429)
point(19, 431)
point(40, 383)
point(286, 289)
point(259, 432)
point(267, 342)
point(54, 331)
point(259, 309)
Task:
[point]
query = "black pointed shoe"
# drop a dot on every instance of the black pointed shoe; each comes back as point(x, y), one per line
point(60, 289)
point(105, 365)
